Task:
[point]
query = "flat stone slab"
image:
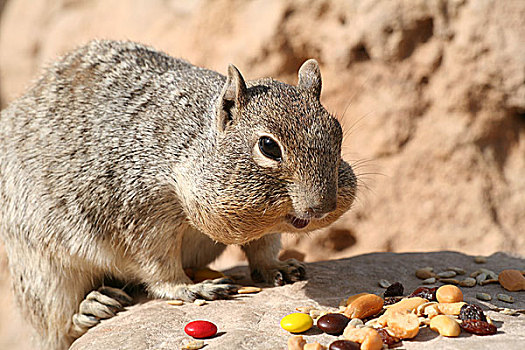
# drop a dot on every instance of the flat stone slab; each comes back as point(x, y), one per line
point(252, 321)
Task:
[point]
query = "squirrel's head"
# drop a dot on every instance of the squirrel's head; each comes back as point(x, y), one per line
point(277, 164)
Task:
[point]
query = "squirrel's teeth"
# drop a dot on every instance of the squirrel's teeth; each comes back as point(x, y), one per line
point(299, 223)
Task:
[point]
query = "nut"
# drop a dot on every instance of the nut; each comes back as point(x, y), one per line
point(314, 346)
point(449, 294)
point(420, 310)
point(305, 309)
point(346, 302)
point(367, 337)
point(402, 324)
point(445, 326)
point(194, 345)
point(356, 322)
point(450, 308)
point(512, 280)
point(175, 302)
point(248, 290)
point(408, 305)
point(199, 302)
point(296, 342)
point(316, 313)
point(364, 306)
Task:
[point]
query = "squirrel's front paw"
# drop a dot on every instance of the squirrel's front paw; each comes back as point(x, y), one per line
point(99, 304)
point(220, 288)
point(280, 273)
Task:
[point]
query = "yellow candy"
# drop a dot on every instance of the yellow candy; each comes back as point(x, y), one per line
point(297, 322)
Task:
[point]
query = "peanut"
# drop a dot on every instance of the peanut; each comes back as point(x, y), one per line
point(450, 308)
point(352, 298)
point(402, 324)
point(296, 342)
point(364, 306)
point(445, 326)
point(408, 304)
point(367, 337)
point(314, 346)
point(512, 280)
point(449, 294)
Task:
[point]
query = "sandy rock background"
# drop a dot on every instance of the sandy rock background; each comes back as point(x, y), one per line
point(431, 95)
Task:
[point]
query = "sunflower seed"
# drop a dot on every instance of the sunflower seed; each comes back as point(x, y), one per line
point(489, 281)
point(430, 280)
point(481, 277)
point(424, 274)
point(457, 270)
point(480, 259)
point(483, 296)
point(468, 282)
point(449, 280)
point(506, 298)
point(475, 274)
point(384, 283)
point(447, 274)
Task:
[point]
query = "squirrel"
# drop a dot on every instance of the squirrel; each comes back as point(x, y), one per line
point(124, 163)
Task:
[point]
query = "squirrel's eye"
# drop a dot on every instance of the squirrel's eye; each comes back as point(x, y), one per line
point(270, 148)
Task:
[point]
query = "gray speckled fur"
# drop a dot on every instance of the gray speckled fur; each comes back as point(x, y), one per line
point(124, 162)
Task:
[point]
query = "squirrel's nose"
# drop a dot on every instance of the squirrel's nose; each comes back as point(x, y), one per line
point(316, 207)
point(322, 209)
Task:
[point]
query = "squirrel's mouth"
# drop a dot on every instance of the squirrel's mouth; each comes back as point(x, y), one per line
point(297, 222)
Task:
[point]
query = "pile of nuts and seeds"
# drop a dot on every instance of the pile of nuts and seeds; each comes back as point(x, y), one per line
point(369, 322)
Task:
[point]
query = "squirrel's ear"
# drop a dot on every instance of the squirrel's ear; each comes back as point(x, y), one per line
point(310, 77)
point(233, 95)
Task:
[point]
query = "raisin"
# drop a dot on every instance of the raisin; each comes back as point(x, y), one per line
point(394, 290)
point(387, 338)
point(478, 327)
point(425, 292)
point(391, 300)
point(471, 312)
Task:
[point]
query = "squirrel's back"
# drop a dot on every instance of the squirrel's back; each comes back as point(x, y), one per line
point(101, 130)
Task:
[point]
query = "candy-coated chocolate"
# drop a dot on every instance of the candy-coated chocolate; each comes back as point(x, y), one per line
point(344, 345)
point(333, 323)
point(200, 329)
point(297, 322)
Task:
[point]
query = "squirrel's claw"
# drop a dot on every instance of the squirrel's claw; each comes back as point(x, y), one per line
point(283, 272)
point(98, 305)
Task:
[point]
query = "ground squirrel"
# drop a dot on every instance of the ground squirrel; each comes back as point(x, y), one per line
point(122, 162)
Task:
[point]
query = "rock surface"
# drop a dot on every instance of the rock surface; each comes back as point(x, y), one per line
point(431, 94)
point(251, 322)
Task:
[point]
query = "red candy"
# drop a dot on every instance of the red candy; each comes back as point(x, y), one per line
point(200, 329)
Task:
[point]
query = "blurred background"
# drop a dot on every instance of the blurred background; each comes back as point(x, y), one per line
point(430, 93)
